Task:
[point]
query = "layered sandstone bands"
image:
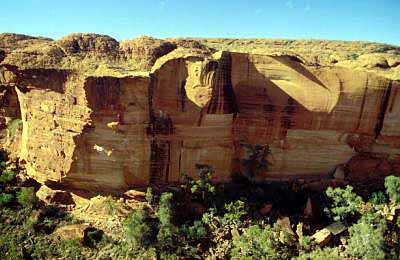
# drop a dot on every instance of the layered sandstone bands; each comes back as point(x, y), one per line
point(196, 106)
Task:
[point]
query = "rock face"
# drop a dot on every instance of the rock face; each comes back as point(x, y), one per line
point(101, 132)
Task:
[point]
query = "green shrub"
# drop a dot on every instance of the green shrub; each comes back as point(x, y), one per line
point(138, 231)
point(234, 212)
point(27, 197)
point(93, 237)
point(383, 49)
point(194, 232)
point(64, 249)
point(111, 206)
point(327, 253)
point(13, 125)
point(222, 227)
point(345, 203)
point(365, 242)
point(5, 199)
point(9, 246)
point(398, 222)
point(305, 244)
point(378, 198)
point(3, 164)
point(375, 220)
point(7, 176)
point(231, 219)
point(29, 224)
point(166, 231)
point(203, 188)
point(149, 196)
point(392, 185)
point(352, 56)
point(258, 243)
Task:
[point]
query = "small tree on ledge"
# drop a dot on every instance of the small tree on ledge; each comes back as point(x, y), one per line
point(256, 161)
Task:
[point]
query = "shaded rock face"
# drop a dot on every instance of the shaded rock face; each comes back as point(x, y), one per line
point(114, 133)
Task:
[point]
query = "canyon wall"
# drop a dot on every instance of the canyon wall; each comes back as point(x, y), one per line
point(103, 132)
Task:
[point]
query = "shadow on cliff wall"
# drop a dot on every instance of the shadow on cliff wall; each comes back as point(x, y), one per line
point(266, 112)
point(264, 105)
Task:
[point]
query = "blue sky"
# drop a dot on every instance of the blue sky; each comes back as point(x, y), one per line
point(369, 20)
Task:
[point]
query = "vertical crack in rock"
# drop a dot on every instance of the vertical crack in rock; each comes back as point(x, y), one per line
point(362, 105)
point(153, 80)
point(223, 99)
point(159, 130)
point(383, 108)
point(182, 95)
point(159, 161)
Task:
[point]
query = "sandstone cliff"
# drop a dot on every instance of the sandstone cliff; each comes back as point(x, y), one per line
point(78, 112)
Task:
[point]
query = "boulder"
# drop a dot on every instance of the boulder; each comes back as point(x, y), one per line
point(51, 196)
point(136, 195)
point(373, 61)
point(393, 61)
point(322, 237)
point(73, 231)
point(284, 223)
point(336, 228)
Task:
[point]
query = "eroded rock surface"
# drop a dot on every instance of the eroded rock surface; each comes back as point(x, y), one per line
point(195, 105)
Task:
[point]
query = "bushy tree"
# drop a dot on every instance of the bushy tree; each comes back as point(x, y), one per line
point(5, 199)
point(222, 227)
point(194, 232)
point(27, 197)
point(138, 231)
point(328, 253)
point(365, 242)
point(258, 243)
point(345, 203)
point(392, 185)
point(7, 176)
point(378, 198)
point(166, 231)
point(203, 188)
point(256, 161)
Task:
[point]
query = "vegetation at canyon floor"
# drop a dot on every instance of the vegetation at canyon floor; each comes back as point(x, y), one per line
point(202, 219)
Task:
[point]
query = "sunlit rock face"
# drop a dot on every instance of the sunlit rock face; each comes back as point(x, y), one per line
point(114, 133)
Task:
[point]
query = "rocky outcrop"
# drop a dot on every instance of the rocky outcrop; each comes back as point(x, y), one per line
point(107, 132)
point(90, 54)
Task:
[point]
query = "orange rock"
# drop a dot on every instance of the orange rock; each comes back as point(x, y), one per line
point(284, 223)
point(73, 231)
point(108, 130)
point(136, 195)
point(54, 196)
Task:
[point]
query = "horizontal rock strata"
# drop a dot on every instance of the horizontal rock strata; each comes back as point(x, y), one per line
point(114, 133)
